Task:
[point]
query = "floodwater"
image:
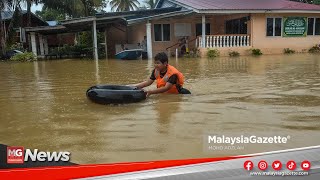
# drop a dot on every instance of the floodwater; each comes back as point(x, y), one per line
point(43, 106)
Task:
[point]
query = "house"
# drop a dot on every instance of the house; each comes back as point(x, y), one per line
point(231, 25)
point(226, 25)
point(35, 21)
point(114, 26)
point(52, 40)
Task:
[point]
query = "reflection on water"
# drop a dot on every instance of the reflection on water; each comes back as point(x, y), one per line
point(43, 105)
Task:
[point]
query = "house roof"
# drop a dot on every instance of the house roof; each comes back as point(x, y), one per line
point(138, 16)
point(234, 5)
point(8, 14)
point(135, 20)
point(104, 20)
point(138, 13)
point(143, 15)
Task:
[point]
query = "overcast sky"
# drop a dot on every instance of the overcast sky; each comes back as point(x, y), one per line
point(35, 8)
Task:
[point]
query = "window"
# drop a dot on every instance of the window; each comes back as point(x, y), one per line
point(317, 27)
point(274, 26)
point(199, 29)
point(313, 26)
point(162, 32)
point(310, 26)
point(182, 29)
point(236, 26)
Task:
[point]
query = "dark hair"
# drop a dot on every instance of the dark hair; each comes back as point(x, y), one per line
point(162, 57)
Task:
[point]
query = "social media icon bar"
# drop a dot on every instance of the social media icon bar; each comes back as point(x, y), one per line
point(291, 165)
point(305, 165)
point(248, 165)
point(277, 165)
point(263, 165)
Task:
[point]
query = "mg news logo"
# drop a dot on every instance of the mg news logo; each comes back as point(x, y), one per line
point(17, 155)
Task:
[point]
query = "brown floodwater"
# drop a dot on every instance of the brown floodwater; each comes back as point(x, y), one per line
point(43, 105)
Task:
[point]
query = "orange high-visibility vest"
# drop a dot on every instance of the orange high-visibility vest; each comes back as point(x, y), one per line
point(161, 82)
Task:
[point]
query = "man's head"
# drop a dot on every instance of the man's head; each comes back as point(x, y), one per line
point(161, 61)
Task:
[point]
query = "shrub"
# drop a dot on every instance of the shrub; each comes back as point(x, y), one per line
point(15, 46)
point(256, 52)
point(27, 56)
point(234, 53)
point(212, 53)
point(288, 51)
point(314, 49)
point(193, 53)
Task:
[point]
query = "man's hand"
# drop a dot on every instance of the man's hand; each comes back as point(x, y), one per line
point(148, 93)
point(159, 90)
point(144, 84)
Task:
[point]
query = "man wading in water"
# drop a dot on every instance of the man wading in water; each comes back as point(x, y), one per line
point(169, 79)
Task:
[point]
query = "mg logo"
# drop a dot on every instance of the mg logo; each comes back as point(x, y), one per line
point(15, 155)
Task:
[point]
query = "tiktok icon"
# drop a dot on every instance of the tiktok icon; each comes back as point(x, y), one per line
point(291, 165)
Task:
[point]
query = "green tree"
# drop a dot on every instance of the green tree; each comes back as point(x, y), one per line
point(316, 2)
point(75, 8)
point(15, 21)
point(308, 1)
point(124, 5)
point(304, 1)
point(150, 3)
point(4, 4)
point(29, 4)
point(48, 14)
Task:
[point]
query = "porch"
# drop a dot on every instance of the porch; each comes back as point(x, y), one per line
point(217, 41)
point(220, 31)
point(234, 31)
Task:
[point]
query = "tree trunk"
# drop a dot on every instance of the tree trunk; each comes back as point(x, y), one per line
point(14, 22)
point(86, 11)
point(28, 13)
point(3, 42)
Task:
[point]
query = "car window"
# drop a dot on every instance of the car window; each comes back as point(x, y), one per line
point(17, 51)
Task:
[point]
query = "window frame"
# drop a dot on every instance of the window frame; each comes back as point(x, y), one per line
point(273, 26)
point(208, 24)
point(245, 24)
point(154, 34)
point(314, 26)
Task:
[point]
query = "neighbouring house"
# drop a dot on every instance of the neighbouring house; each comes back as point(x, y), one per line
point(114, 26)
point(58, 40)
point(35, 21)
point(226, 25)
point(23, 37)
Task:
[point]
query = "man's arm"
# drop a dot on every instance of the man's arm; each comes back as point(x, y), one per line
point(144, 83)
point(160, 90)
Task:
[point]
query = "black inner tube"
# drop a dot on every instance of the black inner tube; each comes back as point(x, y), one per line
point(119, 94)
point(115, 94)
point(114, 87)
